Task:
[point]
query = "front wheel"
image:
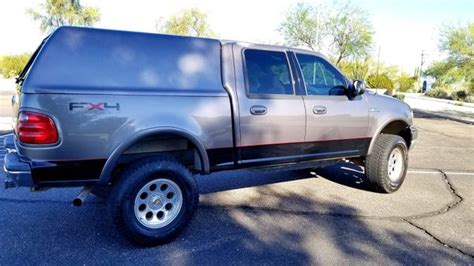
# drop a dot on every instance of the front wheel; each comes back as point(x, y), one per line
point(153, 200)
point(387, 165)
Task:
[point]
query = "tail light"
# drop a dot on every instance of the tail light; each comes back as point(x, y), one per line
point(34, 128)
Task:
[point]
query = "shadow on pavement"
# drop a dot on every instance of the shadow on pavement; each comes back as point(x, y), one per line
point(446, 115)
point(246, 178)
point(56, 232)
point(347, 174)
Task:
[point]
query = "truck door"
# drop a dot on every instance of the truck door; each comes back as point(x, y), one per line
point(272, 117)
point(336, 125)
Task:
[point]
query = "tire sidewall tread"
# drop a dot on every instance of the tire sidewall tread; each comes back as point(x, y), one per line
point(377, 163)
point(122, 197)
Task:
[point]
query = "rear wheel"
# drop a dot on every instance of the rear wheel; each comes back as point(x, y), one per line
point(158, 203)
point(387, 165)
point(153, 200)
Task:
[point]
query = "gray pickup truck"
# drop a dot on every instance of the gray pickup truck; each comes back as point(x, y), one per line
point(133, 117)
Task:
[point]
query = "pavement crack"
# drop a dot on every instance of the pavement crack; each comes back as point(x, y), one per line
point(452, 189)
point(457, 199)
point(438, 239)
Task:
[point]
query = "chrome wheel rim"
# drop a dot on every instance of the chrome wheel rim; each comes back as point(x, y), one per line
point(158, 203)
point(395, 165)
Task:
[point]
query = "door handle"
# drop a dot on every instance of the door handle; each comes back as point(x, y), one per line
point(319, 110)
point(258, 110)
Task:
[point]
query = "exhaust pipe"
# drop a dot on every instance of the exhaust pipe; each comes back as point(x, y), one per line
point(81, 197)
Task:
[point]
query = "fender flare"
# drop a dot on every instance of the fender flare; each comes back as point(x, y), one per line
point(381, 127)
point(118, 151)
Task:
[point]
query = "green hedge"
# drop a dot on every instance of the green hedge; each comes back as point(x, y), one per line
point(437, 93)
point(380, 81)
point(401, 97)
point(442, 93)
point(11, 65)
point(406, 83)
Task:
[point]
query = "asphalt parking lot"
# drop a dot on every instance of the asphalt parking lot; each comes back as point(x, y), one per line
point(330, 216)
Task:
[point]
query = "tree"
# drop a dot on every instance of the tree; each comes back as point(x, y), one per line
point(350, 31)
point(346, 30)
point(55, 13)
point(458, 42)
point(446, 72)
point(304, 25)
point(187, 22)
point(457, 71)
point(357, 69)
point(11, 65)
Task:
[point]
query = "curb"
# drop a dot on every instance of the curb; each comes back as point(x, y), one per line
point(427, 98)
point(448, 117)
point(5, 92)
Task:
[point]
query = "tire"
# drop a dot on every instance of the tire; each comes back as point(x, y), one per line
point(130, 208)
point(389, 151)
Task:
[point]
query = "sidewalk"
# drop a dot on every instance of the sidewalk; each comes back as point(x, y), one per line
point(5, 124)
point(7, 89)
point(456, 103)
point(7, 86)
point(441, 108)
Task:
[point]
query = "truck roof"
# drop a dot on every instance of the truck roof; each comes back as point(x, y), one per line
point(85, 59)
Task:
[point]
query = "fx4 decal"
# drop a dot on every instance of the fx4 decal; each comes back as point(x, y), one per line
point(93, 106)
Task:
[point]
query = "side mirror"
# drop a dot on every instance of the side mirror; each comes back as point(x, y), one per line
point(358, 88)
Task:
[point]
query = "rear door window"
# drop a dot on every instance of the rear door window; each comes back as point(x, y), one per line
point(267, 72)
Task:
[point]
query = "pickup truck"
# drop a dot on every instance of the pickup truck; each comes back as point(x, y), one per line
point(134, 117)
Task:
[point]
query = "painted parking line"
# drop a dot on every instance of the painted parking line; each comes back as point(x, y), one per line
point(416, 171)
point(445, 148)
point(422, 172)
point(459, 173)
point(437, 172)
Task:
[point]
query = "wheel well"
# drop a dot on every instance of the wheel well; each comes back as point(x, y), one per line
point(399, 128)
point(174, 145)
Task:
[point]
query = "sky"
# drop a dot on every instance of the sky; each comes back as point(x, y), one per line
point(403, 28)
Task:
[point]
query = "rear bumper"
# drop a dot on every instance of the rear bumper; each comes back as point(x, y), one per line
point(21, 171)
point(17, 172)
